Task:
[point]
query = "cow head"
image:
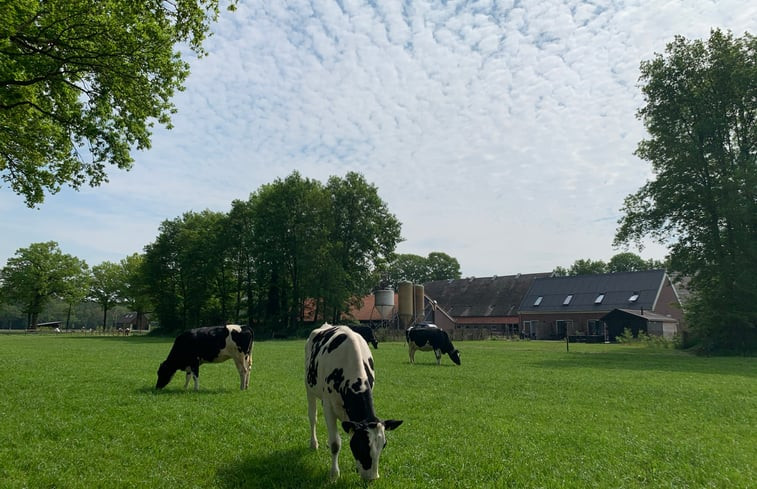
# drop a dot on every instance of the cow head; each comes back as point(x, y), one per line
point(455, 356)
point(165, 374)
point(367, 440)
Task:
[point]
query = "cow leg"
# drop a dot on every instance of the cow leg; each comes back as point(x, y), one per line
point(411, 352)
point(312, 415)
point(335, 441)
point(189, 374)
point(438, 354)
point(248, 366)
point(243, 368)
point(195, 375)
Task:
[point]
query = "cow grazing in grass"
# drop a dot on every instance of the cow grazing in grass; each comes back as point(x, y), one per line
point(213, 344)
point(429, 337)
point(339, 371)
point(367, 333)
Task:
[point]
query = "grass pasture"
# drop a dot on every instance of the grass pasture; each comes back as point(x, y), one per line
point(81, 412)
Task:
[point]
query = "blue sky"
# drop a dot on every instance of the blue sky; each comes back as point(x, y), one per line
point(501, 133)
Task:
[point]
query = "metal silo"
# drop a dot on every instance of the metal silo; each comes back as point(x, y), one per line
point(406, 310)
point(383, 301)
point(418, 303)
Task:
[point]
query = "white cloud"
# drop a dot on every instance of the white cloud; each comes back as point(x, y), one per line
point(499, 132)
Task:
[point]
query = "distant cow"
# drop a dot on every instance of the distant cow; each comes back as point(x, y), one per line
point(339, 371)
point(428, 337)
point(213, 344)
point(367, 333)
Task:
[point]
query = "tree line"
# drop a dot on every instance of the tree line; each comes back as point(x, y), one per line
point(296, 249)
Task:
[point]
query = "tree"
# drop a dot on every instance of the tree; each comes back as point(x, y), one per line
point(701, 115)
point(621, 262)
point(106, 282)
point(182, 268)
point(363, 235)
point(75, 290)
point(442, 266)
point(133, 287)
point(37, 273)
point(290, 228)
point(82, 83)
point(631, 262)
point(418, 270)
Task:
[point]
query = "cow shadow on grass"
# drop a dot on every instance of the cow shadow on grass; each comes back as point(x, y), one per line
point(180, 391)
point(286, 468)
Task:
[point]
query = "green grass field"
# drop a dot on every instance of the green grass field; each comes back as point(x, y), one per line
point(81, 412)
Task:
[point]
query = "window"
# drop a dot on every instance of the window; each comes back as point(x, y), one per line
point(599, 298)
point(567, 300)
point(634, 297)
point(595, 327)
point(538, 301)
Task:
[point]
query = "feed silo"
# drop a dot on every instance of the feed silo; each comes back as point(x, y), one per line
point(406, 309)
point(383, 301)
point(418, 303)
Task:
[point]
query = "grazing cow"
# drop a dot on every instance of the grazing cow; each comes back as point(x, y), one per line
point(367, 333)
point(213, 344)
point(339, 372)
point(427, 337)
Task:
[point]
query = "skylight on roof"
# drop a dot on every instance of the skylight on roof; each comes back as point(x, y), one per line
point(634, 297)
point(567, 300)
point(599, 298)
point(538, 301)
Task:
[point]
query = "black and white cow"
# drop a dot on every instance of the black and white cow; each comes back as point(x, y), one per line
point(339, 371)
point(213, 344)
point(429, 337)
point(367, 333)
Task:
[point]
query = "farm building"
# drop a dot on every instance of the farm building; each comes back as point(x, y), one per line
point(481, 307)
point(134, 321)
point(599, 307)
point(465, 308)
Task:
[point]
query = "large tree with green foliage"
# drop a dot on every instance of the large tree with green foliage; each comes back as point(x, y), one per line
point(37, 273)
point(83, 82)
point(418, 269)
point(105, 285)
point(621, 262)
point(182, 269)
point(290, 224)
point(364, 234)
point(701, 115)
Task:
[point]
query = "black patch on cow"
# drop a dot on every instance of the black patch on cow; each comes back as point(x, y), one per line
point(361, 449)
point(336, 342)
point(336, 378)
point(318, 341)
point(243, 339)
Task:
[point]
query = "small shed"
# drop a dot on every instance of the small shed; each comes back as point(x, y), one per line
point(639, 320)
point(135, 321)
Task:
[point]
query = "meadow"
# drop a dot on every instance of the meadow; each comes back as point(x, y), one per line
point(82, 412)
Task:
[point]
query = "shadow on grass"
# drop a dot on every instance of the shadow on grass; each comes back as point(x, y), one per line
point(178, 390)
point(651, 361)
point(286, 468)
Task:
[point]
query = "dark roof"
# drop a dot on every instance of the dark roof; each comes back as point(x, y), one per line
point(618, 288)
point(649, 316)
point(481, 297)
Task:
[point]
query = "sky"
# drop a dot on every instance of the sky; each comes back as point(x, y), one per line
point(499, 132)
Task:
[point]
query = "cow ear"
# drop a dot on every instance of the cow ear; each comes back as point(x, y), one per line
point(390, 424)
point(349, 426)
